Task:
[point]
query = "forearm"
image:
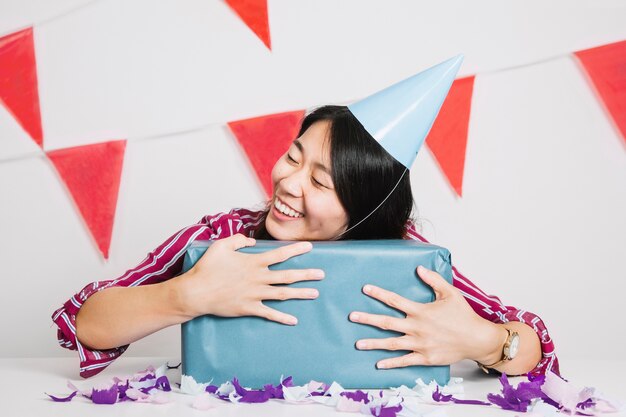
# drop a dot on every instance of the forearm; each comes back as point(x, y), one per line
point(528, 355)
point(118, 316)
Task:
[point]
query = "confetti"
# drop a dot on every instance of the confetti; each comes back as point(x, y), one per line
point(440, 397)
point(148, 385)
point(540, 396)
point(571, 399)
point(62, 399)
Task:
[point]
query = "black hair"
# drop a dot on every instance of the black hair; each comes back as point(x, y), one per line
point(363, 174)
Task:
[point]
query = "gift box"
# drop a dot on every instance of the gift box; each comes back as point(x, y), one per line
point(321, 346)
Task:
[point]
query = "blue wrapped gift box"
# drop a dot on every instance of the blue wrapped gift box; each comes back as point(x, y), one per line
point(321, 346)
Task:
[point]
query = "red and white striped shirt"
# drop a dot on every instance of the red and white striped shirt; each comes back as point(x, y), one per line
point(166, 262)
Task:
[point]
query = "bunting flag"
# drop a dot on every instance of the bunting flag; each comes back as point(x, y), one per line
point(18, 82)
point(92, 175)
point(264, 139)
point(254, 14)
point(447, 139)
point(606, 67)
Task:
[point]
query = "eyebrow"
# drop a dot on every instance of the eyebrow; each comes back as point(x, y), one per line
point(317, 164)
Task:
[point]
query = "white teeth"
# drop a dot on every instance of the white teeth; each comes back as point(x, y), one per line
point(286, 210)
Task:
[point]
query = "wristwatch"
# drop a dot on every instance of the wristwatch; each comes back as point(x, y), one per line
point(509, 350)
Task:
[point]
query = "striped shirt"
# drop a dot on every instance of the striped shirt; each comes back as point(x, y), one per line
point(166, 262)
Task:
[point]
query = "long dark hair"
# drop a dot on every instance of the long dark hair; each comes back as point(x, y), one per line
point(363, 174)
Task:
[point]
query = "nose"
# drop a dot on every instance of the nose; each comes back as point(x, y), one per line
point(293, 183)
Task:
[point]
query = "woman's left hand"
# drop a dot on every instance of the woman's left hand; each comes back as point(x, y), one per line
point(438, 333)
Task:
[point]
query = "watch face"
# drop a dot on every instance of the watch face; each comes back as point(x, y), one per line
point(514, 346)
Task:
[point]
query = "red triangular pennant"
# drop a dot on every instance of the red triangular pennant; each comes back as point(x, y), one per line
point(18, 81)
point(606, 67)
point(447, 139)
point(254, 14)
point(265, 139)
point(92, 176)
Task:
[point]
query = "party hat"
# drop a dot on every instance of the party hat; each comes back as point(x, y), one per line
point(400, 116)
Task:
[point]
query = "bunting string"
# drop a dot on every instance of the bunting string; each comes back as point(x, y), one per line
point(92, 172)
point(206, 126)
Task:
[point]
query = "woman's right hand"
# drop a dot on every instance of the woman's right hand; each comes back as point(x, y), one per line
point(228, 283)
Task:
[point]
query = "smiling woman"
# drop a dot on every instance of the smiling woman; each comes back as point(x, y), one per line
point(333, 176)
point(336, 181)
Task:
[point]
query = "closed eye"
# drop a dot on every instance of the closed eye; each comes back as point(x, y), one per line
point(315, 182)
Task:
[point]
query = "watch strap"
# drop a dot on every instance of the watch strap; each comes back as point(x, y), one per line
point(504, 356)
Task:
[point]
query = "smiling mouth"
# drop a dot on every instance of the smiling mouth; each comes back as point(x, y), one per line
point(286, 210)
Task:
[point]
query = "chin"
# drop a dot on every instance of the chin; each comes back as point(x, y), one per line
point(277, 232)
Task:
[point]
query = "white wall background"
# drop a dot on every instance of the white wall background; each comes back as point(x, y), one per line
point(541, 223)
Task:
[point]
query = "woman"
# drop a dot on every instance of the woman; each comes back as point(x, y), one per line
point(326, 186)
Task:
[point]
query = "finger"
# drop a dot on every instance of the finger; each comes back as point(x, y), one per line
point(380, 321)
point(435, 281)
point(287, 293)
point(275, 315)
point(390, 343)
point(283, 253)
point(392, 299)
point(290, 276)
point(410, 359)
point(236, 241)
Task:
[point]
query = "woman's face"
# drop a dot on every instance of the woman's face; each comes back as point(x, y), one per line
point(305, 205)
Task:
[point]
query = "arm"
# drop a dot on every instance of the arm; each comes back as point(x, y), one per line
point(536, 354)
point(160, 265)
point(118, 316)
point(224, 282)
point(527, 357)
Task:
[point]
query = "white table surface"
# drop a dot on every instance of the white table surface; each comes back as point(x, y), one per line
point(23, 382)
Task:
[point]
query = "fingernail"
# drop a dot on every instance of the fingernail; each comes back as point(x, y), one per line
point(312, 293)
point(380, 365)
point(361, 344)
point(292, 321)
point(319, 273)
point(354, 316)
point(421, 268)
point(367, 289)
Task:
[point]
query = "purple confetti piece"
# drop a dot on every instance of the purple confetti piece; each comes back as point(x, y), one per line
point(250, 396)
point(440, 397)
point(277, 391)
point(62, 399)
point(274, 391)
point(121, 389)
point(163, 383)
point(589, 402)
point(104, 396)
point(211, 389)
point(287, 382)
point(519, 399)
point(383, 411)
point(358, 396)
point(146, 377)
point(147, 390)
point(469, 402)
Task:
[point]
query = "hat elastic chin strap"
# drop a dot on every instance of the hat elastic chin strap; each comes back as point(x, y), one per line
point(377, 207)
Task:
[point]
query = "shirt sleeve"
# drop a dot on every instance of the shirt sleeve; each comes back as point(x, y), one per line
point(491, 308)
point(161, 264)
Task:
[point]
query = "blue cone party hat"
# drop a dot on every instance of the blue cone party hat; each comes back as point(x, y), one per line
point(400, 116)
